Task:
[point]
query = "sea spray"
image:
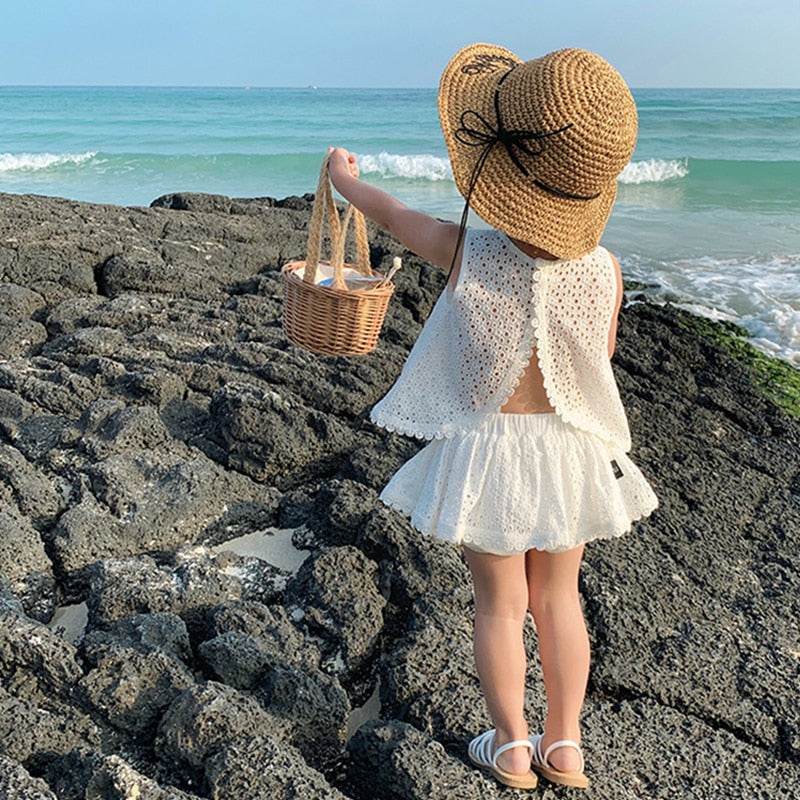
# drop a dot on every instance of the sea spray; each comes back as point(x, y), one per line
point(13, 162)
point(759, 293)
point(654, 170)
point(424, 166)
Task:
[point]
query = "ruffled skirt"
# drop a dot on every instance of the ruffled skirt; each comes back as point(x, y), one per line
point(521, 481)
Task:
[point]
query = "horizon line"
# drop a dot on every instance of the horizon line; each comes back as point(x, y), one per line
point(315, 87)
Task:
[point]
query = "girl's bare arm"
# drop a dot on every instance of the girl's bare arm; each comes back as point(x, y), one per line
point(427, 237)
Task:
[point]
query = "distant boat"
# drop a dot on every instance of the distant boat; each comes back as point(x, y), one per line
point(311, 86)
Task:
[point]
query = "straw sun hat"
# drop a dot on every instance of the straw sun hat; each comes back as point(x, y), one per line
point(536, 146)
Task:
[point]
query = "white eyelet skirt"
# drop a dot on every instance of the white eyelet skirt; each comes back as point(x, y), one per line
point(518, 482)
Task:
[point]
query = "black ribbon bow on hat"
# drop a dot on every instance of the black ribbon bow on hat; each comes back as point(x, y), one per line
point(481, 134)
point(484, 135)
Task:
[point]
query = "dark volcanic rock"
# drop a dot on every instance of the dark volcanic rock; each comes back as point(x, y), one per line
point(204, 718)
point(131, 689)
point(114, 779)
point(340, 511)
point(335, 589)
point(145, 493)
point(235, 659)
point(26, 566)
point(317, 707)
point(34, 660)
point(378, 456)
point(434, 654)
point(83, 774)
point(17, 301)
point(194, 201)
point(273, 438)
point(413, 566)
point(31, 732)
point(269, 628)
point(24, 487)
point(145, 633)
point(151, 409)
point(194, 582)
point(679, 610)
point(408, 765)
point(20, 337)
point(254, 640)
point(9, 602)
point(261, 767)
point(642, 748)
point(17, 784)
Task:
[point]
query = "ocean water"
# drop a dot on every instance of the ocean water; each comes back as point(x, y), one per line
point(707, 216)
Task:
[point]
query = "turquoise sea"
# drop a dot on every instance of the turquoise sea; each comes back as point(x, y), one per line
point(708, 211)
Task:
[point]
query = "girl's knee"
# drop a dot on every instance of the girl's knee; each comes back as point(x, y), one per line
point(502, 608)
point(552, 579)
point(501, 599)
point(553, 602)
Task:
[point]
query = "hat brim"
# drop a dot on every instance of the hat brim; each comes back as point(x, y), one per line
point(503, 196)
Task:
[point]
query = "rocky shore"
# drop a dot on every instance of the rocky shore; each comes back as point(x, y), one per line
point(151, 411)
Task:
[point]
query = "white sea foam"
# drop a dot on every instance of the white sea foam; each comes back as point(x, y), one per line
point(425, 166)
point(13, 162)
point(654, 170)
point(759, 293)
point(777, 332)
point(420, 167)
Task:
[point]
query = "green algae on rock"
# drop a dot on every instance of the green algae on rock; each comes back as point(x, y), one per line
point(775, 377)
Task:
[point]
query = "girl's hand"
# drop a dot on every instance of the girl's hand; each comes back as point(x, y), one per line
point(341, 162)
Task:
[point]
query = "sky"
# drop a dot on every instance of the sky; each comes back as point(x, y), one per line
point(405, 43)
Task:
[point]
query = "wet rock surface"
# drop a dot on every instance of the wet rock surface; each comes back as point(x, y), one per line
point(152, 415)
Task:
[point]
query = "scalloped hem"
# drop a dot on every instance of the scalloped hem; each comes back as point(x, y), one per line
point(480, 540)
point(394, 425)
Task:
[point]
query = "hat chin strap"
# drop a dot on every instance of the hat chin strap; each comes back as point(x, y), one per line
point(462, 225)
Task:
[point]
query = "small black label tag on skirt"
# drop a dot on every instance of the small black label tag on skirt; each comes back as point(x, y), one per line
point(617, 470)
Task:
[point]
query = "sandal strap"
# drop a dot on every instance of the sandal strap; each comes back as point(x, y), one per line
point(511, 746)
point(556, 745)
point(483, 747)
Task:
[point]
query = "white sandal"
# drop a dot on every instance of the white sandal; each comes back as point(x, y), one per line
point(540, 763)
point(482, 753)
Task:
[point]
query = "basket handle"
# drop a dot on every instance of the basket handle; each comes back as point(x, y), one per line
point(324, 205)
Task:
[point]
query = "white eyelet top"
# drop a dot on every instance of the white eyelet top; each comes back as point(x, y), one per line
point(481, 335)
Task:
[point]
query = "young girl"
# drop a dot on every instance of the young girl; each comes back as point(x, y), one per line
point(511, 380)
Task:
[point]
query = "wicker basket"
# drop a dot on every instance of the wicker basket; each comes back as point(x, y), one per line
point(333, 320)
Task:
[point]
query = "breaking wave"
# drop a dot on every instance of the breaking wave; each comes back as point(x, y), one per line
point(33, 162)
point(416, 167)
point(654, 170)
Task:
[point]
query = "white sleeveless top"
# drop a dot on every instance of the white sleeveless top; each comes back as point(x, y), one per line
point(480, 337)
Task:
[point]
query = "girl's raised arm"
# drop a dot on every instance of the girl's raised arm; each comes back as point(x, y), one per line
point(427, 237)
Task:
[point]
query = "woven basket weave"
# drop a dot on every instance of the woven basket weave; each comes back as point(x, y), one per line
point(333, 320)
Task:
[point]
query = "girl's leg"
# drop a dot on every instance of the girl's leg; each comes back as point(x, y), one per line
point(563, 645)
point(501, 605)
